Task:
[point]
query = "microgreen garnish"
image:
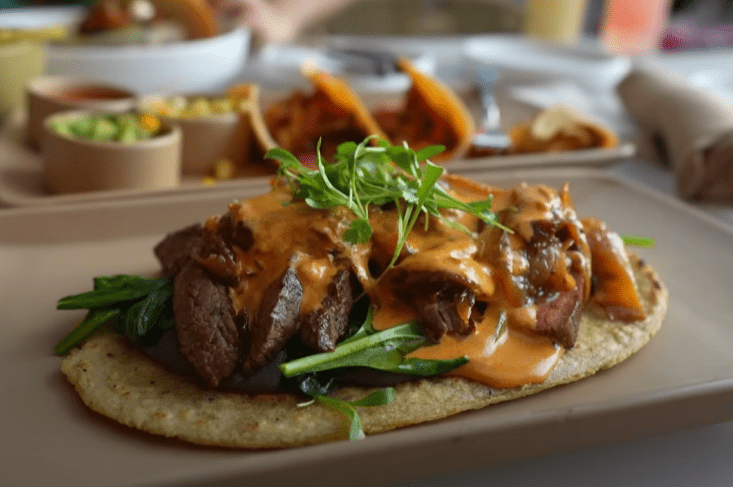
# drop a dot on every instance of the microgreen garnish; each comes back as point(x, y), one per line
point(363, 175)
point(140, 308)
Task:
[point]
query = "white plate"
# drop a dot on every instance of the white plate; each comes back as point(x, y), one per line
point(683, 378)
point(585, 62)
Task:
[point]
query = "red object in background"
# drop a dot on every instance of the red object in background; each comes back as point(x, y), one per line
point(633, 26)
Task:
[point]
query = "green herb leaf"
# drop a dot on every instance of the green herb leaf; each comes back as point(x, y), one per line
point(379, 397)
point(109, 291)
point(139, 307)
point(360, 231)
point(636, 241)
point(356, 432)
point(364, 175)
point(382, 350)
point(93, 320)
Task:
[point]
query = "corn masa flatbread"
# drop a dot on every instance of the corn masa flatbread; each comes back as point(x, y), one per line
point(117, 380)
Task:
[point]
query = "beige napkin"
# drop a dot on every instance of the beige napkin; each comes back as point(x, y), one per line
point(695, 126)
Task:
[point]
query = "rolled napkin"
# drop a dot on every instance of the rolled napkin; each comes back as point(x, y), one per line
point(695, 126)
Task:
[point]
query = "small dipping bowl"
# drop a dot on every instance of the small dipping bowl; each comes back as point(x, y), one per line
point(52, 94)
point(72, 164)
point(206, 138)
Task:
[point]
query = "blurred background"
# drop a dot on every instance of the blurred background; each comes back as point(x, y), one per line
point(691, 24)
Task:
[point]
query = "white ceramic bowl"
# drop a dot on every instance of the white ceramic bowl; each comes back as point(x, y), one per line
point(201, 65)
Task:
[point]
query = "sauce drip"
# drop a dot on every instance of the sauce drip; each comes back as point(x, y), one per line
point(504, 345)
point(511, 358)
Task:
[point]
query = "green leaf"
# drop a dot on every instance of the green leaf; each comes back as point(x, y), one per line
point(360, 231)
point(363, 175)
point(115, 290)
point(382, 350)
point(428, 367)
point(342, 353)
point(637, 241)
point(141, 308)
point(379, 397)
point(282, 156)
point(429, 152)
point(356, 432)
point(93, 320)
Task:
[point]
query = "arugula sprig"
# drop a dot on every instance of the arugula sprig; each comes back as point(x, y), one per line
point(139, 308)
point(363, 175)
point(384, 350)
point(379, 397)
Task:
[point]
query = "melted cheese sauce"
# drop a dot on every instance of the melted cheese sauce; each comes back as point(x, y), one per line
point(507, 359)
point(288, 235)
point(307, 239)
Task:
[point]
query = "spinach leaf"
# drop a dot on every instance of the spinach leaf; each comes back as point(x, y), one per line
point(138, 307)
point(382, 350)
point(347, 408)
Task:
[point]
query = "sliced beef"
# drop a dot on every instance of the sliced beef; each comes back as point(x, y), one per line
point(234, 232)
point(441, 299)
point(178, 248)
point(276, 321)
point(559, 317)
point(217, 252)
point(322, 327)
point(209, 333)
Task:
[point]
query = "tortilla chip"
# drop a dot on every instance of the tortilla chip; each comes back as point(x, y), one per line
point(445, 107)
point(341, 95)
point(119, 381)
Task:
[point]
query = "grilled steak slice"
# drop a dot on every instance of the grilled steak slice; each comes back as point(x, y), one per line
point(209, 333)
point(217, 250)
point(322, 327)
point(447, 311)
point(178, 248)
point(276, 321)
point(441, 299)
point(559, 318)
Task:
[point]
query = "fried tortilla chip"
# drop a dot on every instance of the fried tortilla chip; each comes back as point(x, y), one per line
point(119, 381)
point(431, 114)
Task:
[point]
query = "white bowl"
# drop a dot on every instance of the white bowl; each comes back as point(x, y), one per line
point(189, 66)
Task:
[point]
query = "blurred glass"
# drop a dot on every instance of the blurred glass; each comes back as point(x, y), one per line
point(421, 18)
point(633, 26)
point(556, 20)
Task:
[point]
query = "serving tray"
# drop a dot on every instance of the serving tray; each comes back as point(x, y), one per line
point(21, 176)
point(682, 378)
point(21, 171)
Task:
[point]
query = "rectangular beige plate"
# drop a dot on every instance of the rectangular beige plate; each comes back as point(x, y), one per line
point(683, 378)
point(21, 171)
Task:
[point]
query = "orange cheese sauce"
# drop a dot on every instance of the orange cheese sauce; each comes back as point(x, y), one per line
point(511, 359)
point(284, 232)
point(308, 239)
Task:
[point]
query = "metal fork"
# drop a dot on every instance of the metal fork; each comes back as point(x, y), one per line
point(491, 133)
